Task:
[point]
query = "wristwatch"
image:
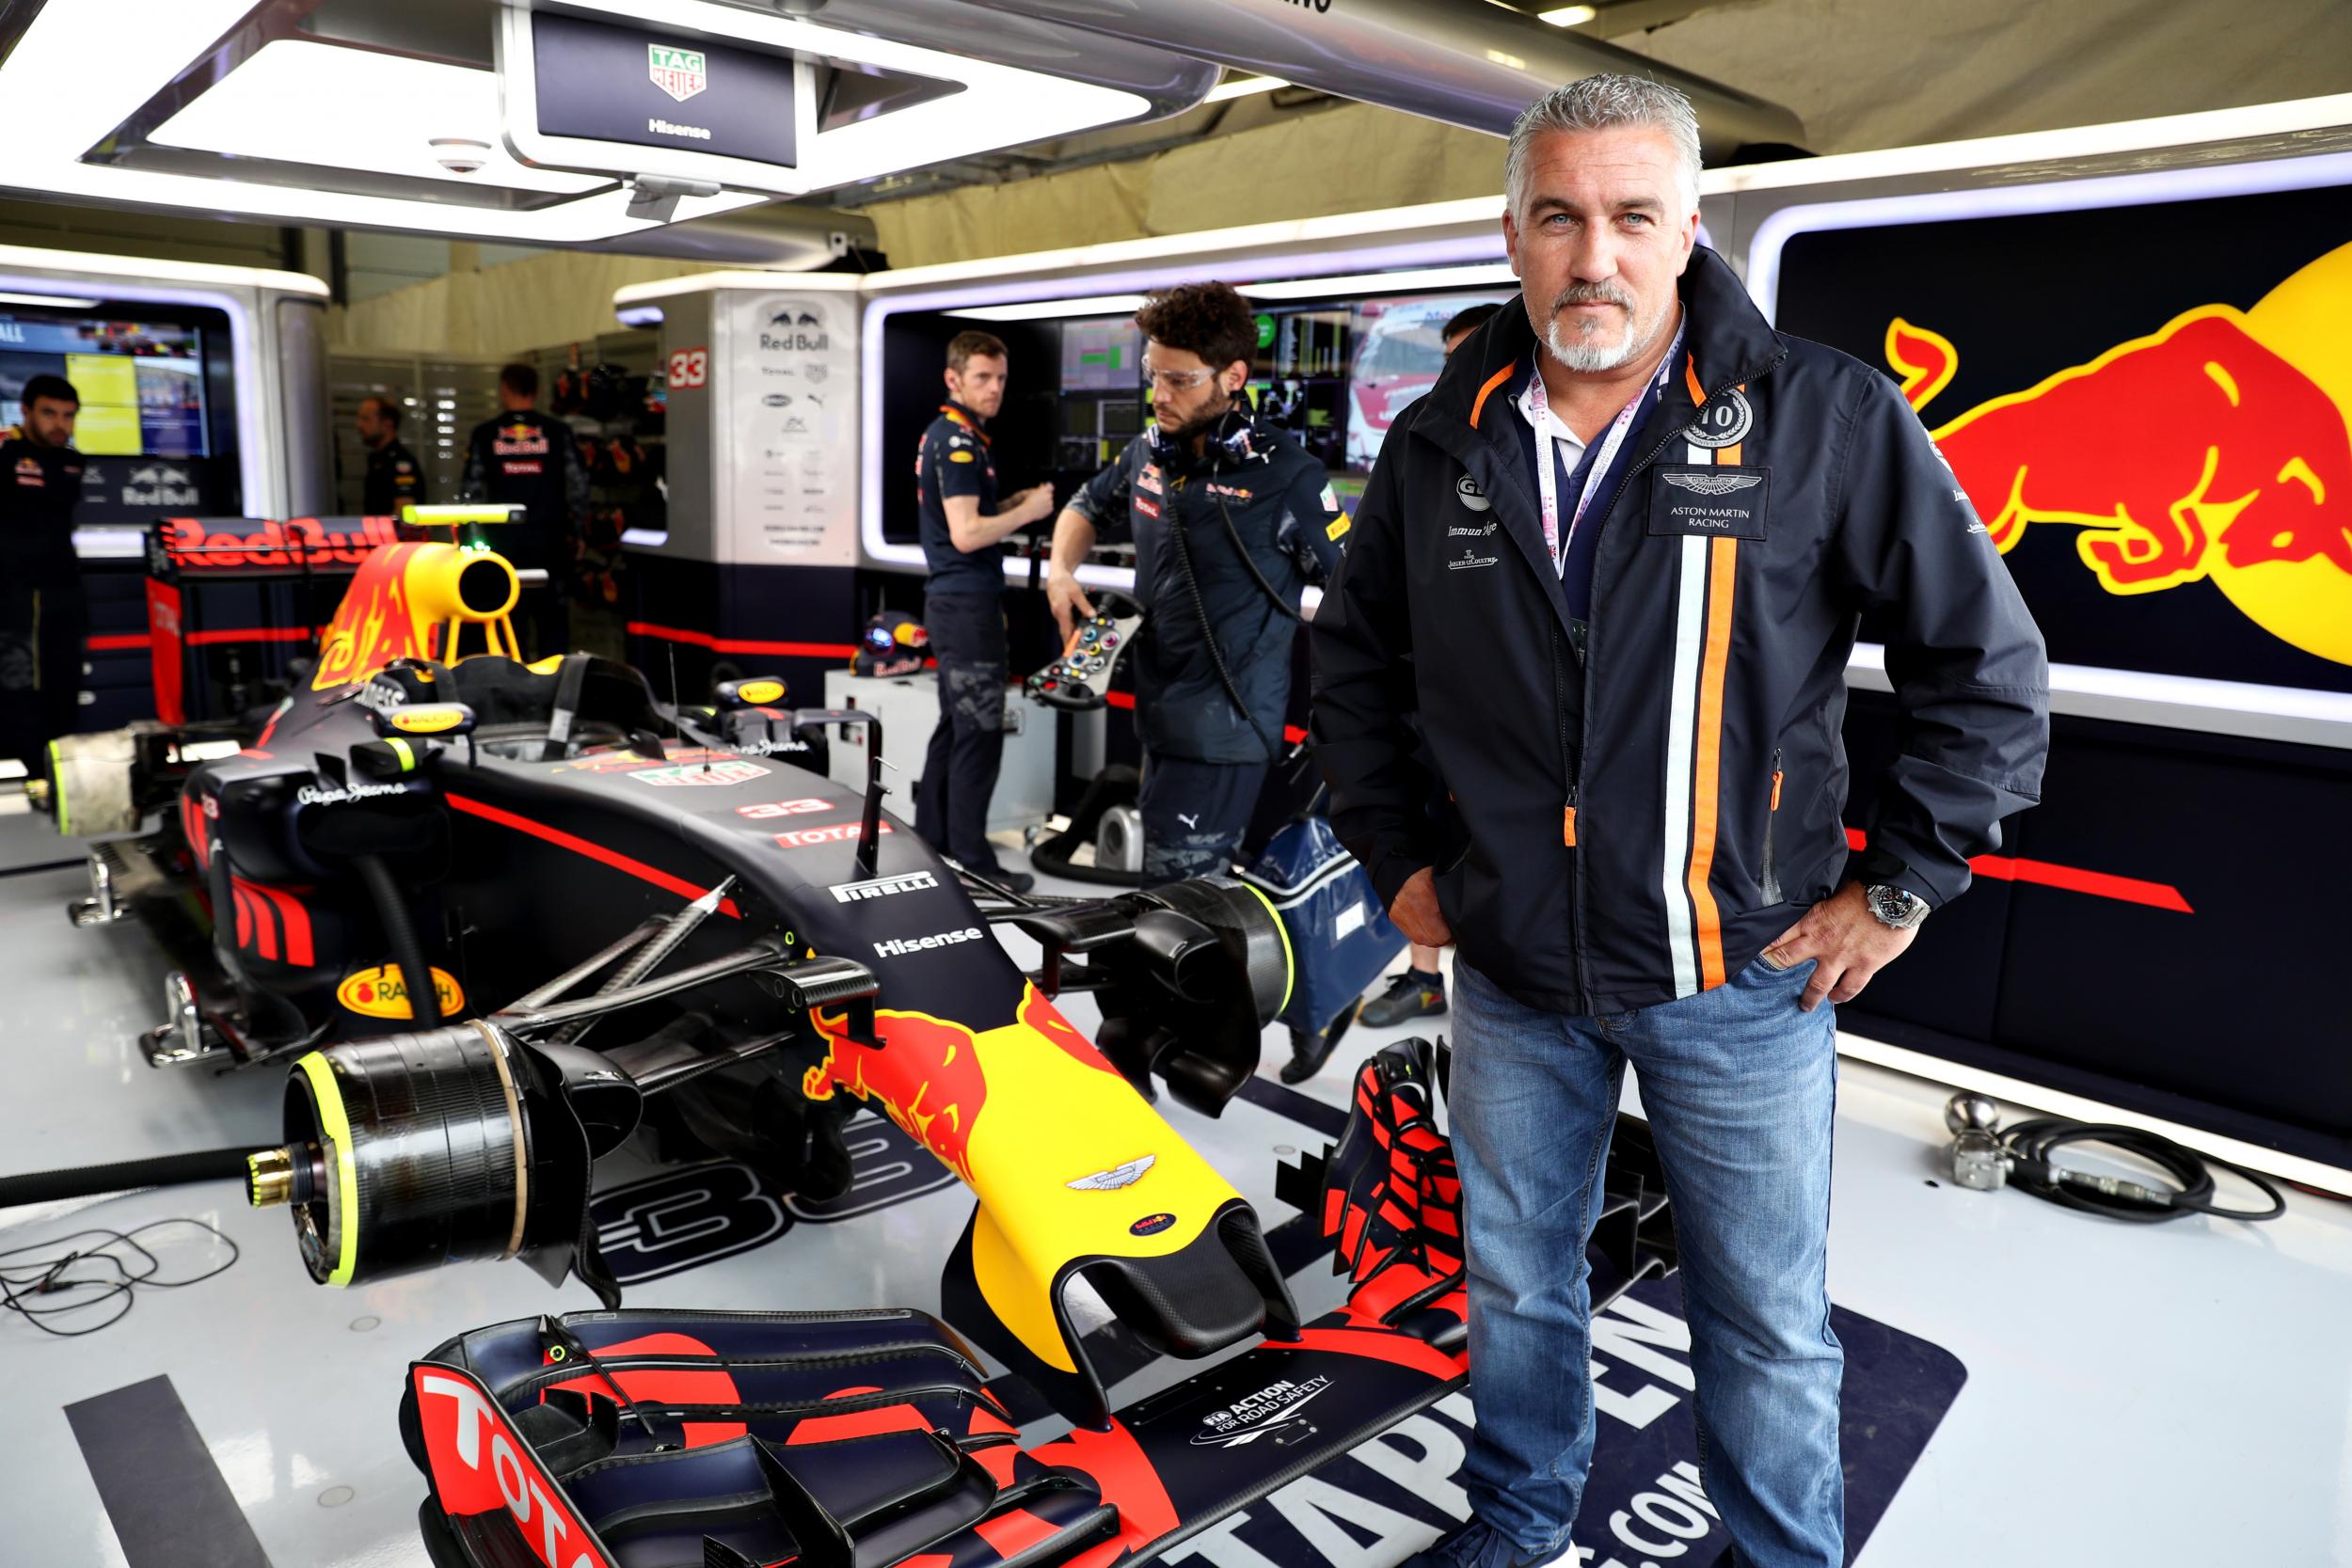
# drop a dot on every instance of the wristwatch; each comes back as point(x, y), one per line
point(1897, 907)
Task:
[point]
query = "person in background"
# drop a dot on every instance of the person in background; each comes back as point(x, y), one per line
point(394, 478)
point(1420, 991)
point(963, 605)
point(1231, 520)
point(44, 614)
point(524, 458)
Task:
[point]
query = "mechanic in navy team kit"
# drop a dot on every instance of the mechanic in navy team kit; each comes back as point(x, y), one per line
point(394, 478)
point(525, 458)
point(1231, 520)
point(43, 616)
point(1613, 564)
point(963, 605)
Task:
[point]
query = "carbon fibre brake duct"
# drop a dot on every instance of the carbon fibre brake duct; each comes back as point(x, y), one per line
point(475, 1141)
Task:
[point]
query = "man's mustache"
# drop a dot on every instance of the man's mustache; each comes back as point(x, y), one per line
point(1594, 294)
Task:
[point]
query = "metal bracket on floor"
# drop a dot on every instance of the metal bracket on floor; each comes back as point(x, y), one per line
point(185, 1037)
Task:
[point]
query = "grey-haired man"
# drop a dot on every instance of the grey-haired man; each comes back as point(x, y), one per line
point(1614, 561)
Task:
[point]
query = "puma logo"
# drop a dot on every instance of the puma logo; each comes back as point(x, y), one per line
point(1193, 820)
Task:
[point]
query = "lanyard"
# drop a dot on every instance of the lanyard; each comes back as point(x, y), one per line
point(1540, 408)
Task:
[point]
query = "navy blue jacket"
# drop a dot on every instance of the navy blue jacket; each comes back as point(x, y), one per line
point(1634, 827)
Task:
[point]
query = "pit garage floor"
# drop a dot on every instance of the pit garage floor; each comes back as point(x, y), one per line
point(2170, 1395)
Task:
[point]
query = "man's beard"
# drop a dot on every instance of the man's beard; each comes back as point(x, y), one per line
point(1203, 423)
point(1580, 352)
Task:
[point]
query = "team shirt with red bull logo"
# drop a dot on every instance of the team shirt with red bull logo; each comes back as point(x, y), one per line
point(530, 460)
point(39, 489)
point(954, 460)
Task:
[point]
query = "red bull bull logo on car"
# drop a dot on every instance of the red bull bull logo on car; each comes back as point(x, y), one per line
point(2216, 448)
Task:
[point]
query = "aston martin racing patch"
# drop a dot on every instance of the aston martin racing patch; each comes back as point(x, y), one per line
point(1710, 503)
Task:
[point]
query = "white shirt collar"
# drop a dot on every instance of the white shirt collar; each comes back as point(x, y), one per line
point(1525, 403)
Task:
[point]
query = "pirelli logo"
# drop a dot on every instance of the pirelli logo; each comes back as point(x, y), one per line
point(882, 887)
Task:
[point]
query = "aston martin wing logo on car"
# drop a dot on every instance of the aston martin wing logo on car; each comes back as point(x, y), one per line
point(1117, 1176)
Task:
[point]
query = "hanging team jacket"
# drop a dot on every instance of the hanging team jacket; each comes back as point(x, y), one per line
point(1618, 830)
point(1282, 506)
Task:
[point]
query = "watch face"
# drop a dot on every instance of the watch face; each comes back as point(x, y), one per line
point(1897, 907)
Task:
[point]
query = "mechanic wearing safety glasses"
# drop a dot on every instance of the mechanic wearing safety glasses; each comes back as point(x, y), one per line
point(1615, 563)
point(1230, 519)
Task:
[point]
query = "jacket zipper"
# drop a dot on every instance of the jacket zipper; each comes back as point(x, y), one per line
point(1592, 652)
point(1567, 748)
point(1576, 781)
point(1771, 819)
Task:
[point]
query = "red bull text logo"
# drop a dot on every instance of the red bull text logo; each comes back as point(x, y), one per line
point(2216, 448)
point(273, 544)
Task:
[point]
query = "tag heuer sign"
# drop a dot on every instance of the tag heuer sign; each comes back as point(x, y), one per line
point(676, 71)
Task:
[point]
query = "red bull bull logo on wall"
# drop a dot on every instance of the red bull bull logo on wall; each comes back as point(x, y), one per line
point(2217, 448)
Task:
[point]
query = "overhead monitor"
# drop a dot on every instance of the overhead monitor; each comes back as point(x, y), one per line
point(652, 101)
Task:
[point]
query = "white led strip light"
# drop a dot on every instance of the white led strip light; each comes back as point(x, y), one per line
point(58, 105)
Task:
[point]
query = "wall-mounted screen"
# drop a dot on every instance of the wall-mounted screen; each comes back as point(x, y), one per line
point(141, 383)
point(1102, 355)
point(156, 425)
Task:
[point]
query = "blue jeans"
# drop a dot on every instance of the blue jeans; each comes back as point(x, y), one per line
point(1739, 1087)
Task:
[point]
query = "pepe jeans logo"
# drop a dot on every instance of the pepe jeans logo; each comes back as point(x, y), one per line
point(1714, 485)
point(311, 795)
point(1271, 1413)
point(1467, 490)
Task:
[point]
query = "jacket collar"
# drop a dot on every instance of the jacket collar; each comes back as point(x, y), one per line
point(1727, 341)
point(957, 414)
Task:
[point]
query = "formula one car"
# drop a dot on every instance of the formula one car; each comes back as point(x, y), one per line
point(429, 876)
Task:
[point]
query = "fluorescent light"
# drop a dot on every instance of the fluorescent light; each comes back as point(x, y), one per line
point(1567, 16)
point(639, 315)
point(1385, 282)
point(1242, 87)
point(59, 106)
point(294, 102)
point(1041, 309)
point(62, 300)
